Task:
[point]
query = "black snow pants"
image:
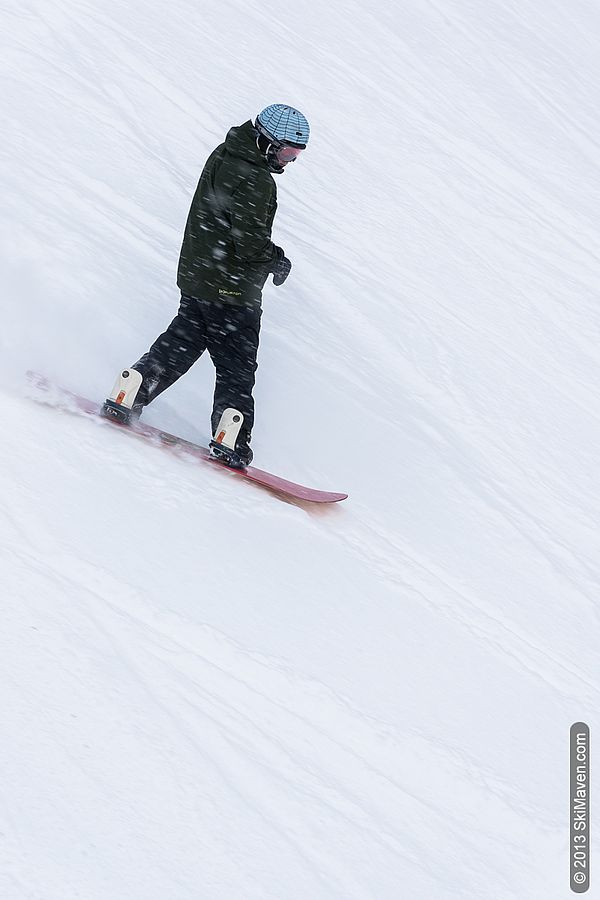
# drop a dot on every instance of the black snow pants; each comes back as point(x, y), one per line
point(231, 335)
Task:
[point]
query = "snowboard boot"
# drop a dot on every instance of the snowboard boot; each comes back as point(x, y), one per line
point(121, 406)
point(225, 445)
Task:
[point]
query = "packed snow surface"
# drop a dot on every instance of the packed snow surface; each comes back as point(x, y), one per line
point(207, 692)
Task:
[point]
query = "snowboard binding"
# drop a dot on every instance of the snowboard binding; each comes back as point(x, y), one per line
point(223, 445)
point(120, 406)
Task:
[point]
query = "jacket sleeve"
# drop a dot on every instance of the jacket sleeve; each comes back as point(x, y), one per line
point(251, 221)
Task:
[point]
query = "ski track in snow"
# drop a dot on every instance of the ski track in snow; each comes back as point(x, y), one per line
point(208, 692)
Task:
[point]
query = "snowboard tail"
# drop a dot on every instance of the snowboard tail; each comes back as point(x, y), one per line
point(53, 395)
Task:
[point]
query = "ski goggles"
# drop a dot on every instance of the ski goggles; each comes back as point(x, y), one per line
point(285, 154)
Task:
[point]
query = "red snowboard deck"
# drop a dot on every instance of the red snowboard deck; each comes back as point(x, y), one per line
point(54, 395)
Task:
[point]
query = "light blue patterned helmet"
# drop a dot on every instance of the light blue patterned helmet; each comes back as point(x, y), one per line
point(284, 124)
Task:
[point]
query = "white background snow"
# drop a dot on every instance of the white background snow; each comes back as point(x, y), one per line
point(209, 693)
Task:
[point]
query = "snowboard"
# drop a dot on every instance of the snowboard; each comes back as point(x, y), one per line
point(51, 394)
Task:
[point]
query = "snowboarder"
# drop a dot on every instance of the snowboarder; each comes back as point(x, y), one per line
point(226, 257)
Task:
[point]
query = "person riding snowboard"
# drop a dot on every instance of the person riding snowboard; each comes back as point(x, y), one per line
point(226, 258)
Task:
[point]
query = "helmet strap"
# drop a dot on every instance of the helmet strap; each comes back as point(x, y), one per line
point(264, 145)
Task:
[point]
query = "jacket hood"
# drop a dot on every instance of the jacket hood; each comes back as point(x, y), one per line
point(241, 142)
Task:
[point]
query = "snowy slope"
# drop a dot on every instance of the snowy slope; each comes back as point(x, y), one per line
point(208, 693)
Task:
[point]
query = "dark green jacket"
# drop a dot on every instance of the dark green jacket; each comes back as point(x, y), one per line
point(227, 251)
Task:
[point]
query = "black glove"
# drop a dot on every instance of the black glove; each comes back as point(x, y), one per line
point(281, 267)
